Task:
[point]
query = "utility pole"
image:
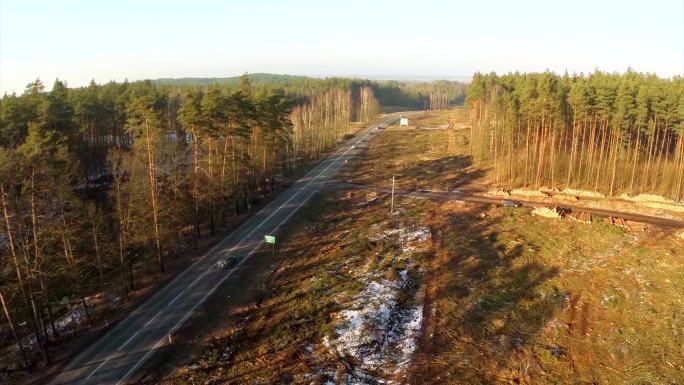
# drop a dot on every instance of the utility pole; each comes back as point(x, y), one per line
point(392, 206)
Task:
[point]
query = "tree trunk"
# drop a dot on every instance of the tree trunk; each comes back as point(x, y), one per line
point(151, 171)
point(14, 332)
point(195, 187)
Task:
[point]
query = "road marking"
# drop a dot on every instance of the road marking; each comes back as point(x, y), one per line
point(196, 279)
point(244, 259)
point(207, 295)
point(98, 368)
point(153, 318)
point(174, 300)
point(331, 160)
point(128, 340)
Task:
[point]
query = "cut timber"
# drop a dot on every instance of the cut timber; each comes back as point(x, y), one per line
point(569, 198)
point(580, 216)
point(626, 224)
point(655, 202)
point(563, 211)
point(499, 193)
point(547, 212)
point(647, 198)
point(664, 206)
point(583, 193)
point(528, 193)
point(617, 221)
point(636, 226)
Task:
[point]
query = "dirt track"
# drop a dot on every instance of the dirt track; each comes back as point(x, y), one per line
point(665, 223)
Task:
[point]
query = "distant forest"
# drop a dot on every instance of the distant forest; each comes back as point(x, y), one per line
point(100, 186)
point(438, 94)
point(614, 133)
point(256, 79)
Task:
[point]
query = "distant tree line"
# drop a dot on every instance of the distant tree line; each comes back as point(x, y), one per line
point(436, 95)
point(101, 186)
point(257, 80)
point(439, 94)
point(614, 133)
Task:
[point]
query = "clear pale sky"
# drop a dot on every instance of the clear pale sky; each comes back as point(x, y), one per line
point(117, 39)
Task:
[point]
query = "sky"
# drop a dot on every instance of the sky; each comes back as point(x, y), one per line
point(79, 40)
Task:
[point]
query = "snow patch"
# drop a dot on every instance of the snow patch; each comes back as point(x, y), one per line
point(377, 335)
point(409, 239)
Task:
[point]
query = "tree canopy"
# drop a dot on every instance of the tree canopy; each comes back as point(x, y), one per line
point(615, 133)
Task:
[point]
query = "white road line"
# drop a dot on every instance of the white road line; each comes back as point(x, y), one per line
point(98, 368)
point(128, 340)
point(195, 281)
point(212, 252)
point(207, 295)
point(153, 318)
point(187, 315)
point(174, 300)
point(337, 157)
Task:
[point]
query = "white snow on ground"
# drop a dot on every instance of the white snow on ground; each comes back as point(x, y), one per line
point(407, 239)
point(377, 335)
point(74, 319)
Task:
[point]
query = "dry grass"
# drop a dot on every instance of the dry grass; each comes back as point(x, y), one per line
point(525, 300)
point(510, 298)
point(514, 298)
point(278, 337)
point(420, 159)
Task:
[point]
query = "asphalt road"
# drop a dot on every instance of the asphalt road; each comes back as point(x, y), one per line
point(117, 355)
point(666, 223)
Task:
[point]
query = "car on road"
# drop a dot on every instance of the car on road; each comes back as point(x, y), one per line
point(381, 126)
point(511, 203)
point(226, 263)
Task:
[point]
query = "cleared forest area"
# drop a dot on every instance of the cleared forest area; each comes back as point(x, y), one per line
point(523, 299)
point(516, 298)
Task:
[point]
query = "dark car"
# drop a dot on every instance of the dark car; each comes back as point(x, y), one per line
point(511, 203)
point(381, 126)
point(226, 263)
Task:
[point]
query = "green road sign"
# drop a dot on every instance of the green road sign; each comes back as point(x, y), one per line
point(269, 239)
